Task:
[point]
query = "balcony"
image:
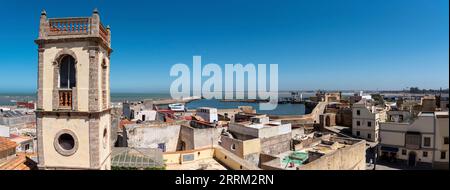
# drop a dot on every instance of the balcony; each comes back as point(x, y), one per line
point(69, 26)
point(65, 99)
point(104, 33)
point(73, 28)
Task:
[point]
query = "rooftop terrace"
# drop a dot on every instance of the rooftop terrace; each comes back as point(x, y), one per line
point(72, 28)
point(294, 160)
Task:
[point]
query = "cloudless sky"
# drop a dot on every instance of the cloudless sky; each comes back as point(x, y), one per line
point(318, 44)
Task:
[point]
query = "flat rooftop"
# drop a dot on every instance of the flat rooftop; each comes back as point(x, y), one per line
point(427, 114)
point(271, 123)
point(442, 114)
point(290, 160)
point(19, 139)
point(150, 124)
point(203, 164)
point(325, 148)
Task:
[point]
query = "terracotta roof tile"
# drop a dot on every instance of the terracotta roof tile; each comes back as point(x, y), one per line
point(20, 162)
point(6, 144)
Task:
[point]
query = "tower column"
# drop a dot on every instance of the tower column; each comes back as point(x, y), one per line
point(40, 84)
point(94, 141)
point(93, 79)
point(72, 117)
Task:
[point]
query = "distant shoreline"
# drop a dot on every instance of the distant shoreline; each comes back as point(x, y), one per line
point(6, 97)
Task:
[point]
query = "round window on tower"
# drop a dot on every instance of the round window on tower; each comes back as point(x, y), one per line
point(66, 142)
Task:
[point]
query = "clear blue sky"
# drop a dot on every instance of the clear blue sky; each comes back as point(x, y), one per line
point(318, 44)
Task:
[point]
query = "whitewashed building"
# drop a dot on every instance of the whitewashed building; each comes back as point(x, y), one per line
point(146, 115)
point(208, 114)
point(422, 141)
point(365, 120)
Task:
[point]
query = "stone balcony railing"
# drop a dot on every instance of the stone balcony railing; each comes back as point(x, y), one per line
point(75, 27)
point(65, 99)
point(68, 26)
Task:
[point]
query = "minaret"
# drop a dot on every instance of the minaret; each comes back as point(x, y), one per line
point(73, 105)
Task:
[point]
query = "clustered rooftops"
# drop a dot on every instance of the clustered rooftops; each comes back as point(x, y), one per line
point(260, 121)
point(6, 144)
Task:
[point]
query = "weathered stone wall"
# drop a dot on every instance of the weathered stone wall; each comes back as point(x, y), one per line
point(333, 97)
point(252, 158)
point(266, 158)
point(298, 132)
point(150, 137)
point(249, 149)
point(428, 104)
point(344, 117)
point(195, 138)
point(244, 131)
point(207, 137)
point(232, 161)
point(348, 158)
point(327, 120)
point(235, 146)
point(277, 144)
point(241, 136)
point(306, 143)
point(186, 141)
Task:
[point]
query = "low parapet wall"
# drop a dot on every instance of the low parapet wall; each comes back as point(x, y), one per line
point(352, 157)
point(225, 157)
point(180, 157)
point(232, 161)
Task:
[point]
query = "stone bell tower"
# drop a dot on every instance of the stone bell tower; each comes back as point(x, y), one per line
point(73, 106)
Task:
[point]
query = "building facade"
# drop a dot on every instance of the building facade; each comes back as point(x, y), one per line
point(208, 114)
point(73, 105)
point(423, 141)
point(365, 120)
point(146, 115)
point(274, 136)
point(441, 153)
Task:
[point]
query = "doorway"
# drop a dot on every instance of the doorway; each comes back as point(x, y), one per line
point(182, 146)
point(412, 158)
